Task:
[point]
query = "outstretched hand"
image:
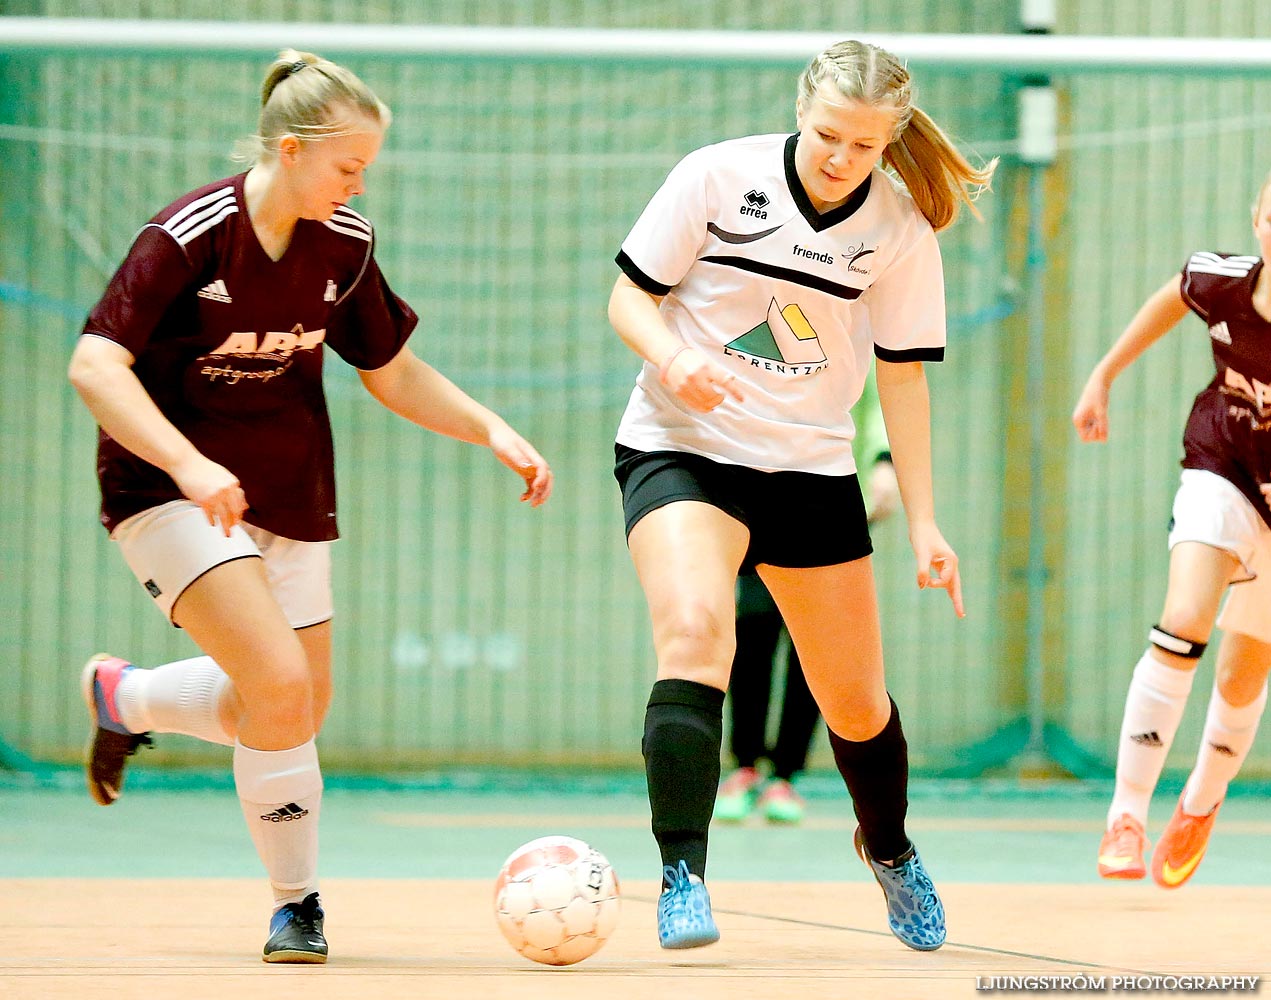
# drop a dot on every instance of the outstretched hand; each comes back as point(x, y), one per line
point(519, 455)
point(1090, 416)
point(937, 564)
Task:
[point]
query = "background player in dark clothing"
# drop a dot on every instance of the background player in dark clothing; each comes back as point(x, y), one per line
point(202, 365)
point(1220, 542)
point(760, 635)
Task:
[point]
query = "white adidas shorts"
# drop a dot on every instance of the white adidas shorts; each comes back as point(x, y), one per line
point(170, 546)
point(1209, 509)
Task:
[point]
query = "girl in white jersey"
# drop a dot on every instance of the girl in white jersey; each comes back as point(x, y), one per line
point(1220, 536)
point(202, 364)
point(758, 286)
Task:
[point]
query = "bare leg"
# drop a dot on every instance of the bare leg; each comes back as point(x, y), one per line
point(832, 615)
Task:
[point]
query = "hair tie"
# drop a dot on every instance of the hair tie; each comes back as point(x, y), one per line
point(298, 65)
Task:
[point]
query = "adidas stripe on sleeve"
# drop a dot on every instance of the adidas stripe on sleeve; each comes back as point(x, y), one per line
point(201, 215)
point(1208, 275)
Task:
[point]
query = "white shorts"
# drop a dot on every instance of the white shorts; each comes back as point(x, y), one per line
point(1209, 509)
point(170, 546)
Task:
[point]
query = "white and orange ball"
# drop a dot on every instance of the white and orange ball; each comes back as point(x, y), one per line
point(556, 900)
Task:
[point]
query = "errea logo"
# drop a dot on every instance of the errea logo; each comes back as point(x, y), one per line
point(756, 202)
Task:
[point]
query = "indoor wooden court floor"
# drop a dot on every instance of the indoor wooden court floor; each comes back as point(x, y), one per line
point(161, 896)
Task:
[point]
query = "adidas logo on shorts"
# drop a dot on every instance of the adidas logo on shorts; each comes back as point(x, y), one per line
point(285, 814)
point(1152, 739)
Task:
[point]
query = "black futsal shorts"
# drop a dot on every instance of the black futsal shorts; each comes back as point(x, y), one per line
point(796, 519)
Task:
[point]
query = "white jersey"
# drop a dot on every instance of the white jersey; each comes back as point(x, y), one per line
point(794, 303)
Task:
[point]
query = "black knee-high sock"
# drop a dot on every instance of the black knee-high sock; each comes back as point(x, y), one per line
point(683, 733)
point(876, 772)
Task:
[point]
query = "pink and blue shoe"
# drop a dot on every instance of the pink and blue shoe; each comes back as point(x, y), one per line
point(110, 743)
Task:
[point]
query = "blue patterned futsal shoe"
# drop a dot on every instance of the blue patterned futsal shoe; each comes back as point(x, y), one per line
point(684, 911)
point(295, 933)
point(914, 911)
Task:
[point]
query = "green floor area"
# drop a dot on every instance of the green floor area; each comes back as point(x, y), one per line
point(464, 825)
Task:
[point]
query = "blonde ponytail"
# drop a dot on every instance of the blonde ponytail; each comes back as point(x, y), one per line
point(938, 177)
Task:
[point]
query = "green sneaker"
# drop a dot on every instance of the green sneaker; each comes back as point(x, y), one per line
point(780, 803)
point(737, 795)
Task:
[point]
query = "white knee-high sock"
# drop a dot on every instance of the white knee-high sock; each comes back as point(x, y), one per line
point(180, 697)
point(281, 795)
point(1153, 709)
point(1229, 733)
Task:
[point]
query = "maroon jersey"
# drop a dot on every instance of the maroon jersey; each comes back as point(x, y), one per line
point(229, 342)
point(1229, 429)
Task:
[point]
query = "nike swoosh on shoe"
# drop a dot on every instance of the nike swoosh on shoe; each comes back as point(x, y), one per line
point(1174, 876)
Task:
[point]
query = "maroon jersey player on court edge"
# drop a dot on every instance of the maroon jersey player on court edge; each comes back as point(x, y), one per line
point(1220, 543)
point(202, 365)
point(1229, 429)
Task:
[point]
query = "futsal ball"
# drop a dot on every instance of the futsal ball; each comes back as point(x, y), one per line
point(556, 900)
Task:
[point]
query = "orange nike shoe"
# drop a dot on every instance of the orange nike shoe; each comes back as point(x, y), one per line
point(1181, 847)
point(1121, 850)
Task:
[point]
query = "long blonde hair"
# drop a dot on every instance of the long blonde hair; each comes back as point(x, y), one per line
point(309, 97)
point(939, 178)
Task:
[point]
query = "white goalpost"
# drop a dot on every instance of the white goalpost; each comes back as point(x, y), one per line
point(1023, 53)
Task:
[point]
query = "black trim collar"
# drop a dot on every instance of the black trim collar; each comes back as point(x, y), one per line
point(815, 219)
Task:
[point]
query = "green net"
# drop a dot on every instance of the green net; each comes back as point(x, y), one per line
point(472, 630)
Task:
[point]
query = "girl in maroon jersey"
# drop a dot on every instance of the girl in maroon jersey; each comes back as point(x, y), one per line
point(202, 365)
point(1220, 537)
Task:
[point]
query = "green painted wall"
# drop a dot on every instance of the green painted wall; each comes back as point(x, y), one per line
point(472, 630)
